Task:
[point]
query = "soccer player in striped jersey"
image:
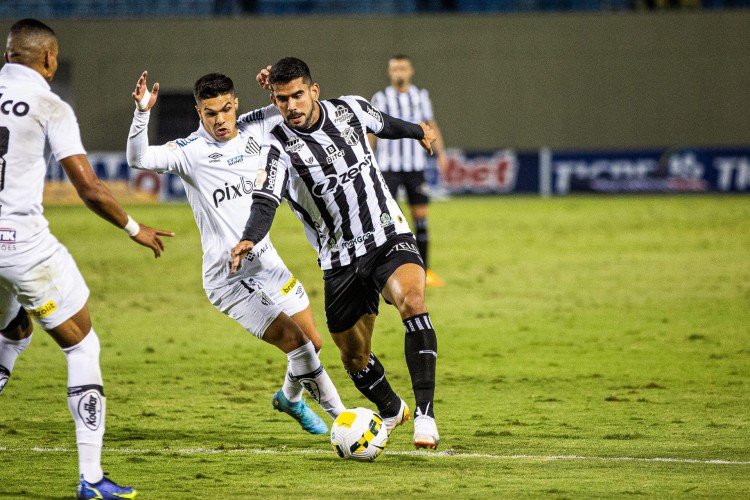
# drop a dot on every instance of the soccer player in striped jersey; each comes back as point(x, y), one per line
point(319, 160)
point(38, 277)
point(403, 162)
point(218, 164)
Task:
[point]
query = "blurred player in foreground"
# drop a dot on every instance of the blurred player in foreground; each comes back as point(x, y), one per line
point(37, 274)
point(218, 164)
point(319, 160)
point(402, 162)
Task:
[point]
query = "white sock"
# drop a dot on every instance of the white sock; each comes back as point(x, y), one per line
point(305, 367)
point(292, 389)
point(87, 404)
point(9, 352)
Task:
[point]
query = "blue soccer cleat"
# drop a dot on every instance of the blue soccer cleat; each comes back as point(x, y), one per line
point(104, 489)
point(300, 412)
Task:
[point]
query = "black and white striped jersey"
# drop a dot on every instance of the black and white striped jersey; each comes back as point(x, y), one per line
point(403, 155)
point(330, 179)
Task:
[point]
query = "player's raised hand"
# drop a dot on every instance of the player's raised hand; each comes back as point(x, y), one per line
point(263, 77)
point(239, 252)
point(430, 136)
point(150, 237)
point(144, 99)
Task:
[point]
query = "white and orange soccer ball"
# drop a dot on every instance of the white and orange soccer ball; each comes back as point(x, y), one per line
point(359, 434)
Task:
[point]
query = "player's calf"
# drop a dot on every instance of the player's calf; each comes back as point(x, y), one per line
point(14, 339)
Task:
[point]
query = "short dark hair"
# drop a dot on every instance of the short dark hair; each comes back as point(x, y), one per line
point(287, 69)
point(212, 85)
point(30, 26)
point(28, 40)
point(400, 57)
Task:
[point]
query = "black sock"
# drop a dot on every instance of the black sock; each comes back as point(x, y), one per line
point(420, 349)
point(372, 383)
point(422, 238)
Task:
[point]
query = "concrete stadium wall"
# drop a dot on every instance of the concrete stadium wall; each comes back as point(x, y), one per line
point(594, 80)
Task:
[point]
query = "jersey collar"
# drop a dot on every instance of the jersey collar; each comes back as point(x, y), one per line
point(21, 72)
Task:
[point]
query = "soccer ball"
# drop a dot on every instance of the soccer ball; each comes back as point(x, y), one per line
point(359, 434)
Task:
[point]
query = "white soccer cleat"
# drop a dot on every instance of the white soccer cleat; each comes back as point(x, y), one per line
point(425, 433)
point(402, 416)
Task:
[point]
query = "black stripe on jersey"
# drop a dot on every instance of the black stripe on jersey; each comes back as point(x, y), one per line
point(299, 209)
point(390, 230)
point(304, 172)
point(367, 108)
point(365, 217)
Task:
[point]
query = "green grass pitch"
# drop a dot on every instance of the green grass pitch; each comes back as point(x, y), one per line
point(580, 338)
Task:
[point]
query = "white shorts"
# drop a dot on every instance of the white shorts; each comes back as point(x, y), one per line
point(46, 283)
point(255, 302)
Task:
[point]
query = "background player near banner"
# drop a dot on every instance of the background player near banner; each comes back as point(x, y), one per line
point(319, 160)
point(217, 165)
point(402, 162)
point(37, 273)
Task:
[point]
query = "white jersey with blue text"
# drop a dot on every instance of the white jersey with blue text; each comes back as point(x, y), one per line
point(31, 116)
point(331, 180)
point(412, 105)
point(219, 181)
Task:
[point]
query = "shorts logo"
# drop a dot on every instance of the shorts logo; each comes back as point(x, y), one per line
point(252, 147)
point(293, 145)
point(342, 115)
point(90, 409)
point(7, 235)
point(43, 311)
point(265, 299)
point(403, 247)
point(300, 291)
point(350, 136)
point(289, 286)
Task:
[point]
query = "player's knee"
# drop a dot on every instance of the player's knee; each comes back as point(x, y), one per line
point(20, 327)
point(411, 303)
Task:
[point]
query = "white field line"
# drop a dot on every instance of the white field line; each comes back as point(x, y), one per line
point(442, 454)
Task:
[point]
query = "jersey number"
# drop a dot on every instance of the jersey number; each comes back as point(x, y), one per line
point(4, 139)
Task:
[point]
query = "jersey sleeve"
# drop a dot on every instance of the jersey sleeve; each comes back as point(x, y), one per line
point(426, 105)
point(259, 122)
point(63, 133)
point(272, 178)
point(367, 114)
point(159, 159)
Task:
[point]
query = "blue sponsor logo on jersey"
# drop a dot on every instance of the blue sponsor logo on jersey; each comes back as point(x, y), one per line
point(7, 235)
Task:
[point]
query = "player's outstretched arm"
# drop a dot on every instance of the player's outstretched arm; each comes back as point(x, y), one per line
point(145, 99)
point(394, 128)
point(99, 200)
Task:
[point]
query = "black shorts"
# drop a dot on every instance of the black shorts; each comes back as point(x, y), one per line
point(414, 183)
point(354, 290)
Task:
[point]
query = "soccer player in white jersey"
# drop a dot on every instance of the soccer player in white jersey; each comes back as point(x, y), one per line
point(38, 276)
point(319, 160)
point(218, 165)
point(402, 162)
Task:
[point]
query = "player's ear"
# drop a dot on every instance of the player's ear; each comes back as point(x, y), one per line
point(198, 110)
point(315, 91)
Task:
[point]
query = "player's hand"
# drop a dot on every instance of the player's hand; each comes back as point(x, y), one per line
point(262, 78)
point(149, 237)
point(430, 136)
point(140, 90)
point(239, 252)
